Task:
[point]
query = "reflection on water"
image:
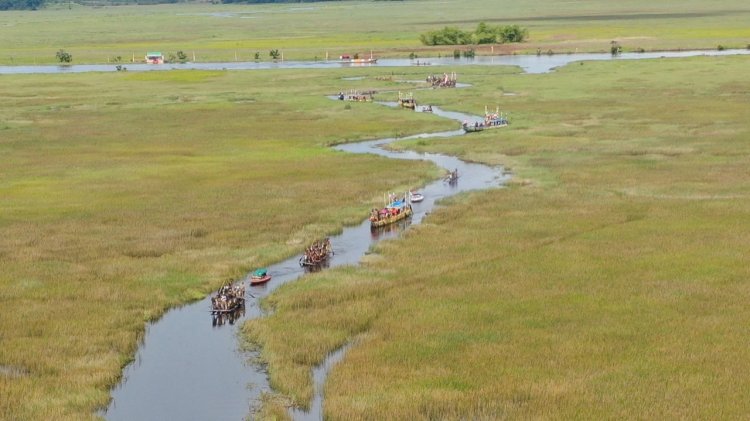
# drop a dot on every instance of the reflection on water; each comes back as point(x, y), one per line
point(220, 319)
point(376, 233)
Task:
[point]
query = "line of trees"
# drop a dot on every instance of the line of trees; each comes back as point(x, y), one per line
point(483, 34)
point(283, 1)
point(20, 4)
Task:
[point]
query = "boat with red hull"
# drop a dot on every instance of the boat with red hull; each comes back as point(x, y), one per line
point(260, 277)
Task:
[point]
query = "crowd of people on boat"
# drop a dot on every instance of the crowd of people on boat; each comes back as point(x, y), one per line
point(396, 206)
point(490, 120)
point(444, 81)
point(229, 297)
point(451, 176)
point(317, 252)
point(366, 96)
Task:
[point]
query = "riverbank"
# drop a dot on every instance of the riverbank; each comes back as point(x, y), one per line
point(617, 270)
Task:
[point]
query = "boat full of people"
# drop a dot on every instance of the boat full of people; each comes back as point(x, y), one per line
point(452, 176)
point(446, 80)
point(395, 210)
point(317, 253)
point(407, 101)
point(356, 96)
point(229, 298)
point(494, 120)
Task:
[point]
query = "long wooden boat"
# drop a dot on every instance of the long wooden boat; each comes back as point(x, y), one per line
point(407, 101)
point(394, 212)
point(347, 59)
point(260, 277)
point(491, 121)
point(306, 260)
point(317, 254)
point(228, 299)
point(478, 127)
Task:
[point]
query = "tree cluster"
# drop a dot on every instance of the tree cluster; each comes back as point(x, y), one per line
point(483, 34)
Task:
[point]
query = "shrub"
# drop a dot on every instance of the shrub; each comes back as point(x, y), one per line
point(615, 48)
point(721, 47)
point(63, 56)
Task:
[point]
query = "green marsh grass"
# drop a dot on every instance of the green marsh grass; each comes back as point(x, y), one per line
point(225, 32)
point(611, 285)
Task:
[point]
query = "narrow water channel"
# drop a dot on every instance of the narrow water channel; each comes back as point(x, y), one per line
point(189, 368)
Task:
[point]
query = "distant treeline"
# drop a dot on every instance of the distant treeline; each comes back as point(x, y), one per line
point(484, 34)
point(284, 1)
point(20, 4)
point(36, 4)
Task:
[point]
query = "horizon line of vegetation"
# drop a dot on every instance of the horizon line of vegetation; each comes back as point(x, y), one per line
point(37, 4)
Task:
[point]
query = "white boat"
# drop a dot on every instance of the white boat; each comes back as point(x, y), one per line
point(416, 197)
point(347, 59)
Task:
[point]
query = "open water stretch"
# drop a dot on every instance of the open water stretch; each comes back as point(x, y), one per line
point(529, 63)
point(187, 368)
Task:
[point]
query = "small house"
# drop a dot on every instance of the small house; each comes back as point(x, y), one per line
point(154, 58)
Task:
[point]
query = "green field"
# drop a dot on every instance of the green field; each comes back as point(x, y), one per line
point(389, 29)
point(608, 281)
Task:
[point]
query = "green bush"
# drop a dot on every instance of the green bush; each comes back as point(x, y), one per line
point(483, 34)
point(63, 56)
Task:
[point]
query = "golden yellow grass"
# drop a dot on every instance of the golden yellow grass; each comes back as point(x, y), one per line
point(612, 286)
point(126, 193)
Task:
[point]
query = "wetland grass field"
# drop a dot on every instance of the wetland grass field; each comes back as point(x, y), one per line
point(215, 32)
point(609, 280)
point(126, 193)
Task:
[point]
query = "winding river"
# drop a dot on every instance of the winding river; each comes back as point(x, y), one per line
point(190, 368)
